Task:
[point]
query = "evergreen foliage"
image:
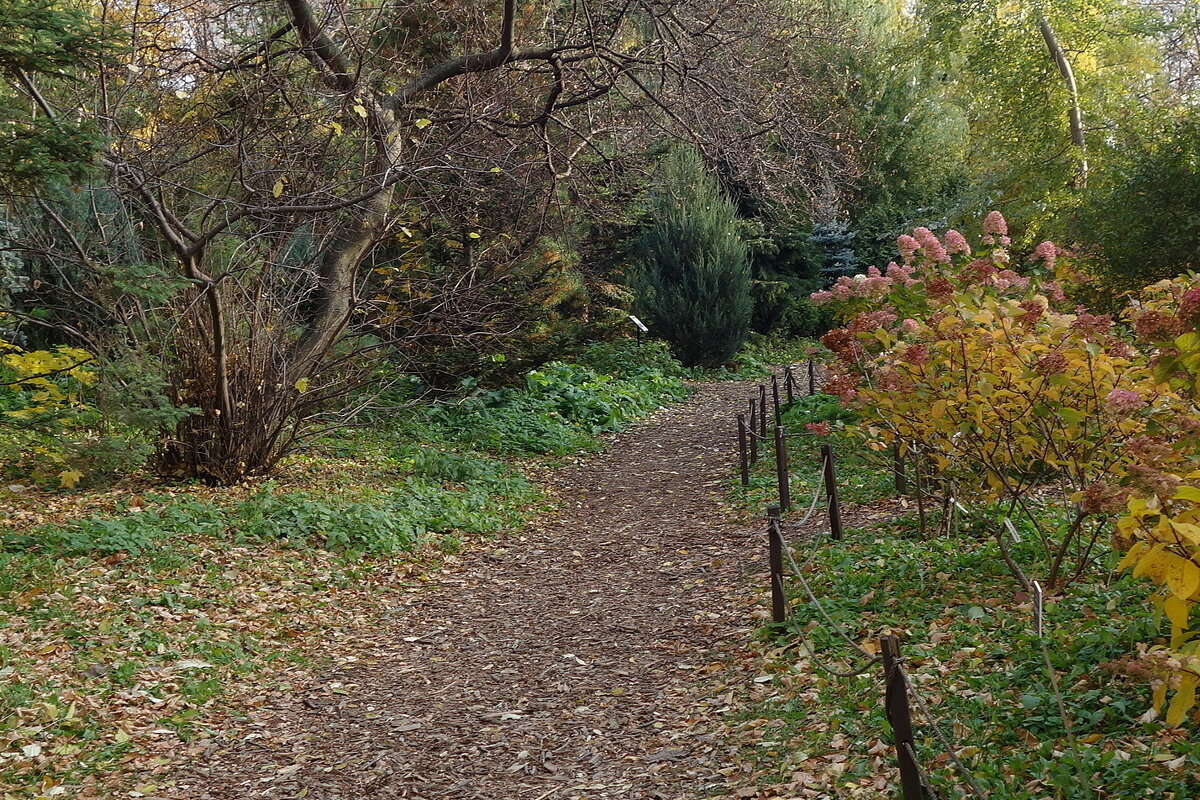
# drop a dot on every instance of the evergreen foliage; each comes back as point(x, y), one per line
point(836, 241)
point(692, 269)
point(41, 43)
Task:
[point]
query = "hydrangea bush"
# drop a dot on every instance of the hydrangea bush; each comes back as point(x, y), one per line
point(974, 362)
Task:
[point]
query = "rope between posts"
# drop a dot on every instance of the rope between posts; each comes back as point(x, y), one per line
point(803, 641)
point(812, 656)
point(940, 734)
point(798, 573)
point(816, 498)
point(829, 620)
point(871, 659)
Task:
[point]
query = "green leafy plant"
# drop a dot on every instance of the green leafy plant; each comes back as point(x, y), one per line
point(561, 408)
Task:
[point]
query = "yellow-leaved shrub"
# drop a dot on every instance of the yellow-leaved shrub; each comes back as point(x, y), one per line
point(1009, 396)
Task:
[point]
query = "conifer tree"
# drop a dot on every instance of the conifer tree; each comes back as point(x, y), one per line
point(692, 271)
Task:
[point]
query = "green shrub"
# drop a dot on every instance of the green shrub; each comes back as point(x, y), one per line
point(302, 520)
point(452, 467)
point(625, 358)
point(387, 523)
point(692, 274)
point(804, 319)
point(815, 408)
point(559, 410)
point(66, 424)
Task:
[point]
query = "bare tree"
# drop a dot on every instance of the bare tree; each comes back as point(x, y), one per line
point(282, 158)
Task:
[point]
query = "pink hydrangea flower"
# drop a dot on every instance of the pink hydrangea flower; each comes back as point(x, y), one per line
point(915, 354)
point(1102, 497)
point(1189, 306)
point(843, 386)
point(956, 243)
point(1033, 311)
point(1119, 348)
point(819, 428)
point(1051, 364)
point(1046, 252)
point(1011, 278)
point(1123, 402)
point(939, 288)
point(873, 320)
point(1092, 323)
point(931, 246)
point(995, 224)
point(910, 326)
point(907, 246)
point(1153, 326)
point(821, 298)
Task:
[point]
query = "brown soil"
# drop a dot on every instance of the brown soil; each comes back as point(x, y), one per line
point(569, 661)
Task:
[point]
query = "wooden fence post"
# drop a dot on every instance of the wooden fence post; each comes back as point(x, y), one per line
point(781, 469)
point(775, 554)
point(899, 717)
point(762, 410)
point(775, 398)
point(753, 433)
point(835, 510)
point(812, 378)
point(743, 451)
point(789, 383)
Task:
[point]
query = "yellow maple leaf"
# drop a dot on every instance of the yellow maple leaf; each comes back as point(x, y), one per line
point(69, 478)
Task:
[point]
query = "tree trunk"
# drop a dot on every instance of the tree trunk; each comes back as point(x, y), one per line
point(1075, 112)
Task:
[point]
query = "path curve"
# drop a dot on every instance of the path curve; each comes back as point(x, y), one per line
point(568, 662)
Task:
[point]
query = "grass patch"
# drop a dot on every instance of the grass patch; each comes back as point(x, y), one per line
point(968, 638)
point(863, 476)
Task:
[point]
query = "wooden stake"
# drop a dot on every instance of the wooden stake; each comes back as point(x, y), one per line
point(775, 398)
point(775, 556)
point(781, 469)
point(899, 716)
point(835, 510)
point(752, 436)
point(762, 410)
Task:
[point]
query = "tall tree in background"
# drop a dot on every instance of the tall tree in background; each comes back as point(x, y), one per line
point(41, 44)
point(1033, 78)
point(693, 272)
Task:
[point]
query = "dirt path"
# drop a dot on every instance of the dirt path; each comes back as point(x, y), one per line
point(567, 663)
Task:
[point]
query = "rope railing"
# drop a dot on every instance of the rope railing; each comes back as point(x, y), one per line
point(940, 734)
point(898, 685)
point(797, 572)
